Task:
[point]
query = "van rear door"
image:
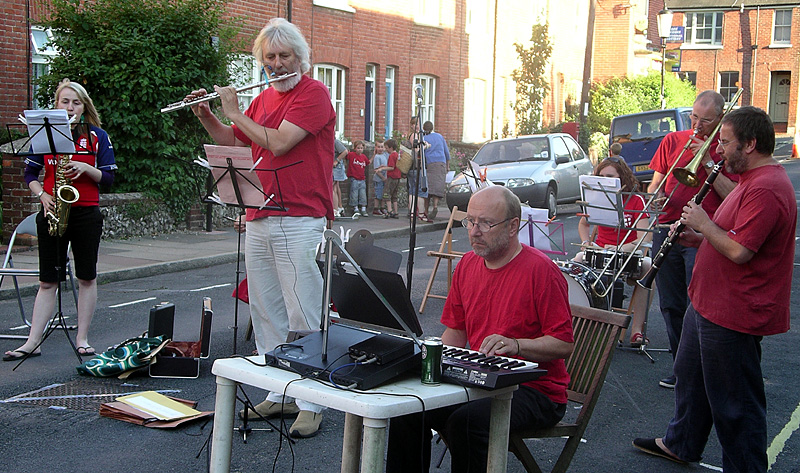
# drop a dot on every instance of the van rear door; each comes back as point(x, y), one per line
point(640, 134)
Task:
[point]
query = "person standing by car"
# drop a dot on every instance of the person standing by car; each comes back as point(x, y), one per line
point(437, 156)
point(675, 274)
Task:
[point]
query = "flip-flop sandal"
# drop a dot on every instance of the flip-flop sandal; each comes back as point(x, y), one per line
point(86, 351)
point(650, 446)
point(9, 357)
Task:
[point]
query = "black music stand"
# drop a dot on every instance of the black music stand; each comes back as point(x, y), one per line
point(234, 177)
point(50, 133)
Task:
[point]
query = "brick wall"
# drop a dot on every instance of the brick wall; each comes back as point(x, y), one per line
point(746, 49)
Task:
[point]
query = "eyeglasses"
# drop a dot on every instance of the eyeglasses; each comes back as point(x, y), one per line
point(704, 121)
point(482, 226)
point(724, 143)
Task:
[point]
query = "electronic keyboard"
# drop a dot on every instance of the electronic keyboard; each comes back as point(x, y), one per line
point(473, 368)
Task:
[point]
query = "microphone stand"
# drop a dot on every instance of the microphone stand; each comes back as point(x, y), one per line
point(412, 240)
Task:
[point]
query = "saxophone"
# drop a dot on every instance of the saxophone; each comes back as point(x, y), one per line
point(65, 196)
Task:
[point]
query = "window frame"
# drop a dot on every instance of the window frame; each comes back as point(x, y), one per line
point(785, 28)
point(428, 107)
point(728, 91)
point(245, 70)
point(337, 89)
point(716, 29)
point(389, 80)
point(41, 55)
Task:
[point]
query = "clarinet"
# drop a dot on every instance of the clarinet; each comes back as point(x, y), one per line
point(647, 281)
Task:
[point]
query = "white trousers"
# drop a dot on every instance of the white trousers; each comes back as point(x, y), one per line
point(283, 281)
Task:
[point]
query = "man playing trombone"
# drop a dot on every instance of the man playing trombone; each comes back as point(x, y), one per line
point(291, 121)
point(740, 292)
point(675, 272)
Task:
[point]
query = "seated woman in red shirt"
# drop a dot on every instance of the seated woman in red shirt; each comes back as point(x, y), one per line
point(620, 239)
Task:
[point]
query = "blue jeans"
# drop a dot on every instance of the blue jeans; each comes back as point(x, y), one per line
point(672, 281)
point(358, 192)
point(719, 383)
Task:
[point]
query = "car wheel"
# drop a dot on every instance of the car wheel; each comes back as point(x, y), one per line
point(551, 203)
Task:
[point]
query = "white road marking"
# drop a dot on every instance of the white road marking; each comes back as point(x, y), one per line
point(130, 303)
point(710, 467)
point(415, 249)
point(209, 287)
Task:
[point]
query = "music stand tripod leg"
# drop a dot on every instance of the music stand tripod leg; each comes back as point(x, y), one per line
point(57, 320)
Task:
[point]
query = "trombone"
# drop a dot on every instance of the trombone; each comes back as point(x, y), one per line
point(213, 95)
point(686, 175)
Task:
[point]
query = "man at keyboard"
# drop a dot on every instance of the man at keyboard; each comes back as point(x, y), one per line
point(507, 299)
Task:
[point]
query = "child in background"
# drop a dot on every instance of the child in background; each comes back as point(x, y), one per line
point(379, 161)
point(339, 175)
point(393, 176)
point(357, 163)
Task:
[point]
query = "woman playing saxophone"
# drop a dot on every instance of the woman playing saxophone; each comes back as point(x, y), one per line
point(84, 223)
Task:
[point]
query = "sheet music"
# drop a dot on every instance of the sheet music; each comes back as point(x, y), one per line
point(249, 185)
point(600, 195)
point(534, 220)
point(60, 129)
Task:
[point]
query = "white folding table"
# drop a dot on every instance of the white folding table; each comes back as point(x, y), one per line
point(367, 413)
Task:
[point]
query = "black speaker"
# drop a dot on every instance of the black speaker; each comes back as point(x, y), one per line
point(162, 318)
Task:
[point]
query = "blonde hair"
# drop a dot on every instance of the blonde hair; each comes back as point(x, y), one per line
point(90, 114)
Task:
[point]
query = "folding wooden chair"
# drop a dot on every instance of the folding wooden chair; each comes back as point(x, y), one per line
point(596, 334)
point(445, 252)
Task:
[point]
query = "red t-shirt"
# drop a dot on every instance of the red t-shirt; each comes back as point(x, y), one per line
point(392, 163)
point(357, 165)
point(759, 214)
point(631, 215)
point(667, 152)
point(526, 298)
point(305, 188)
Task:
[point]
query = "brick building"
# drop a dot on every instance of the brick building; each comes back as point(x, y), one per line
point(753, 45)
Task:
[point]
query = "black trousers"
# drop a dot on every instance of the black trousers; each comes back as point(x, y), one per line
point(465, 428)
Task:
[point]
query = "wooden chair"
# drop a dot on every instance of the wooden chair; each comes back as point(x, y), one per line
point(445, 252)
point(596, 334)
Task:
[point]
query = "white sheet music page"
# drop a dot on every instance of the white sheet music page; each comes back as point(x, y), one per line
point(62, 135)
point(600, 195)
point(533, 222)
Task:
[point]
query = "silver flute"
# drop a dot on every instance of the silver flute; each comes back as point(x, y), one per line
point(188, 103)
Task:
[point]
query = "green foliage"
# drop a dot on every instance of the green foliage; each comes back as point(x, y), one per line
point(532, 86)
point(622, 95)
point(134, 57)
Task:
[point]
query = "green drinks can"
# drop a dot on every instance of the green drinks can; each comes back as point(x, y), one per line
point(432, 360)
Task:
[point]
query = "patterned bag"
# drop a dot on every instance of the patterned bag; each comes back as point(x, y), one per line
point(129, 355)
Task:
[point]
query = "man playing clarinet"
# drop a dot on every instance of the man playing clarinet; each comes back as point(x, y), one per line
point(739, 293)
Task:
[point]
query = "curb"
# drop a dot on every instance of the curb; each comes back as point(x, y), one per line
point(126, 274)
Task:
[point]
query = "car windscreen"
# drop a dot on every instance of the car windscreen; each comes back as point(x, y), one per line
point(642, 127)
point(511, 151)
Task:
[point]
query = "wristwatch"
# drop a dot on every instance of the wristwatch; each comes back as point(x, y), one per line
point(39, 194)
point(709, 165)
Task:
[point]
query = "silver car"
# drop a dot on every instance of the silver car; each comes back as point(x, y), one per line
point(542, 170)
